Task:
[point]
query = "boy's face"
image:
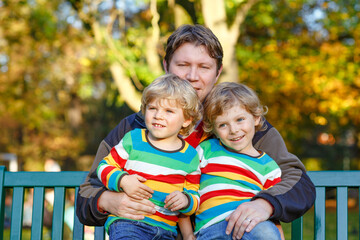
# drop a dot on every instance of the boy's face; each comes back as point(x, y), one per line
point(236, 129)
point(164, 118)
point(194, 64)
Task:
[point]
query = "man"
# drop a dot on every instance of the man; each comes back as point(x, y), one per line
point(195, 54)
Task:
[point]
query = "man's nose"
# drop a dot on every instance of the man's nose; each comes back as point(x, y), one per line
point(192, 75)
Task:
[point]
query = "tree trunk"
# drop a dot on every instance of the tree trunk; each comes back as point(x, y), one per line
point(127, 90)
point(152, 41)
point(215, 18)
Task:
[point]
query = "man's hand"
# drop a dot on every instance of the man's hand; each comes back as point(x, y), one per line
point(133, 186)
point(247, 215)
point(122, 205)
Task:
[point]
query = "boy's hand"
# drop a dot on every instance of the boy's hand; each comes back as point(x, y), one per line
point(133, 187)
point(189, 237)
point(176, 201)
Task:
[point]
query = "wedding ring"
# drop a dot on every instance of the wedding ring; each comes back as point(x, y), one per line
point(248, 219)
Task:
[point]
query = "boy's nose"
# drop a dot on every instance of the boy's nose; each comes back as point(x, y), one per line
point(233, 128)
point(159, 115)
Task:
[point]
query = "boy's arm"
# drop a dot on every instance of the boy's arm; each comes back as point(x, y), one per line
point(110, 170)
point(191, 188)
point(186, 228)
point(93, 196)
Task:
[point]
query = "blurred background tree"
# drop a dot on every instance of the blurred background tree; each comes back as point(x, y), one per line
point(71, 70)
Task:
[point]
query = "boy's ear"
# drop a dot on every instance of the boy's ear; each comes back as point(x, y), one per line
point(187, 122)
point(257, 120)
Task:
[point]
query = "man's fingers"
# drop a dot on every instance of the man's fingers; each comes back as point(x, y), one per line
point(252, 224)
point(140, 207)
point(134, 217)
point(232, 219)
point(240, 228)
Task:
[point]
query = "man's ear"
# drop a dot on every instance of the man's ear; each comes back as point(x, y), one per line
point(165, 66)
point(219, 72)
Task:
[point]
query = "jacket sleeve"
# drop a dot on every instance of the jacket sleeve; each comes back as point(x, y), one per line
point(90, 191)
point(295, 194)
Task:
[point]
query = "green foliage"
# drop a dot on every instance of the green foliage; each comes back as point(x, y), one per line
point(308, 79)
point(58, 98)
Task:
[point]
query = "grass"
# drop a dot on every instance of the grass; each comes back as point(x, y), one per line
point(330, 225)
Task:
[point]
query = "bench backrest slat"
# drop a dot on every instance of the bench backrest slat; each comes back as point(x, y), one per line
point(17, 213)
point(342, 212)
point(78, 231)
point(2, 198)
point(297, 229)
point(37, 213)
point(99, 232)
point(319, 219)
point(58, 213)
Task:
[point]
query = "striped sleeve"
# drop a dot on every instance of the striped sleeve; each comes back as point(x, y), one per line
point(191, 187)
point(110, 169)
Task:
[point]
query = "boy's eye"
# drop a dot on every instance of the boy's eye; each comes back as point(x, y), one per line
point(240, 119)
point(222, 125)
point(169, 111)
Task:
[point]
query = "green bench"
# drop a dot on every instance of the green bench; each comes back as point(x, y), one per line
point(341, 180)
point(60, 181)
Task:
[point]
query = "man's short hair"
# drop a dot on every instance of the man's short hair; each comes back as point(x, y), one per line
point(198, 35)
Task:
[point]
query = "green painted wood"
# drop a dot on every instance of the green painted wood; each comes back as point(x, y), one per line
point(2, 200)
point(342, 213)
point(39, 181)
point(297, 229)
point(17, 213)
point(37, 213)
point(44, 179)
point(58, 214)
point(99, 233)
point(78, 230)
point(319, 216)
point(63, 180)
point(335, 178)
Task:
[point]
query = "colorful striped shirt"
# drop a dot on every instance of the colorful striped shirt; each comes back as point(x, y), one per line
point(229, 179)
point(165, 171)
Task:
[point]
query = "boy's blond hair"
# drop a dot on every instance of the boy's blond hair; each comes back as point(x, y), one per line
point(171, 87)
point(226, 95)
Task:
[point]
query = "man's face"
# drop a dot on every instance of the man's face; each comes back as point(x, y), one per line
point(193, 63)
